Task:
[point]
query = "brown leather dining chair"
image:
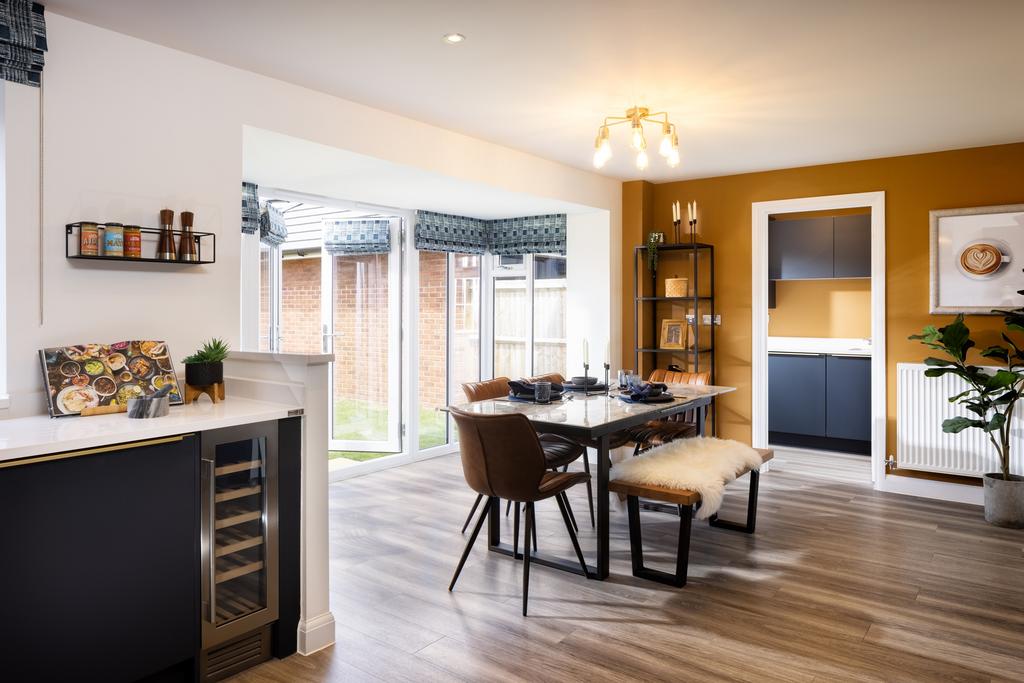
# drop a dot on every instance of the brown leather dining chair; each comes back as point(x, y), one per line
point(679, 426)
point(502, 457)
point(558, 450)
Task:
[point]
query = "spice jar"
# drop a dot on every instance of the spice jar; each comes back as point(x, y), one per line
point(113, 239)
point(133, 241)
point(88, 240)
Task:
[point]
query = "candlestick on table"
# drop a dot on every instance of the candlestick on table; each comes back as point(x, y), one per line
point(607, 368)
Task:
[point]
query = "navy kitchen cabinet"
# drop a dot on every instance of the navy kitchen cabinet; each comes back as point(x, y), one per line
point(800, 249)
point(848, 398)
point(796, 394)
point(852, 246)
point(100, 568)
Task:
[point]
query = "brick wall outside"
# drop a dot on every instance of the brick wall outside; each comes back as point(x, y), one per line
point(300, 305)
point(433, 328)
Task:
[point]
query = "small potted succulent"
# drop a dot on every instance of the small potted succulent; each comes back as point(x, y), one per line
point(206, 366)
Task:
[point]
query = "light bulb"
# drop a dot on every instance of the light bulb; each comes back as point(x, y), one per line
point(665, 148)
point(637, 140)
point(606, 147)
point(599, 158)
point(641, 160)
point(673, 157)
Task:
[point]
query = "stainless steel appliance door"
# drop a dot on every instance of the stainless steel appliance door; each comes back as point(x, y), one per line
point(239, 549)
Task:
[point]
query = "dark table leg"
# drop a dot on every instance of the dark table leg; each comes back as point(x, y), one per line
point(494, 523)
point(702, 420)
point(603, 467)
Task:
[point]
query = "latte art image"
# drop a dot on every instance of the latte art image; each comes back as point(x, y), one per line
point(981, 259)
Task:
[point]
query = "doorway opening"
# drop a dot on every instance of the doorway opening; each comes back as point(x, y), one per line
point(818, 363)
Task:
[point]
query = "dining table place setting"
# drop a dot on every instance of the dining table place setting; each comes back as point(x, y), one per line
point(593, 418)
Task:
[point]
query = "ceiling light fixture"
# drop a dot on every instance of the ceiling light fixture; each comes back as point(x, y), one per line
point(454, 38)
point(637, 117)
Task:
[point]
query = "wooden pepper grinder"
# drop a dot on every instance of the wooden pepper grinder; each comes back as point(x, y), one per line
point(165, 249)
point(187, 250)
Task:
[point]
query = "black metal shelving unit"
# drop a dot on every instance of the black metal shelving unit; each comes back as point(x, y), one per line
point(701, 300)
point(206, 245)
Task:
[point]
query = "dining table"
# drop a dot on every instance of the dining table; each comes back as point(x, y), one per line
point(591, 418)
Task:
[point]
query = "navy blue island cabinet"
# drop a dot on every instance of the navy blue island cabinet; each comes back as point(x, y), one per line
point(101, 554)
point(100, 568)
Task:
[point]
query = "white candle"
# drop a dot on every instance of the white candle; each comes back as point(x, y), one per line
point(673, 212)
point(689, 213)
point(586, 354)
point(678, 213)
point(607, 353)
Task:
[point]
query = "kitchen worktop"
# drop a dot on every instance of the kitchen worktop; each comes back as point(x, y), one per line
point(835, 346)
point(37, 435)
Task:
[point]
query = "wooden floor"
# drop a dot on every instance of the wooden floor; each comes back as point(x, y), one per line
point(839, 583)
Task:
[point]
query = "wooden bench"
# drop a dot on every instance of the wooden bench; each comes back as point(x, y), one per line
point(686, 500)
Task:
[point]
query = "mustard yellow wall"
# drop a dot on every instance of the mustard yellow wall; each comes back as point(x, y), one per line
point(821, 308)
point(913, 185)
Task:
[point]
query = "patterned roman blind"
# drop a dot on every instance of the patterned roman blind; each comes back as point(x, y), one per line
point(365, 236)
point(273, 229)
point(528, 235)
point(250, 209)
point(22, 41)
point(507, 236)
point(448, 233)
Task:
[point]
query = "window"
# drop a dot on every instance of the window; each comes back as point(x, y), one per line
point(529, 297)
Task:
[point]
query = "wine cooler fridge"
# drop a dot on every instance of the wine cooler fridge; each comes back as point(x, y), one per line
point(239, 546)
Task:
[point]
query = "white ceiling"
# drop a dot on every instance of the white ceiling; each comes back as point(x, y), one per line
point(752, 84)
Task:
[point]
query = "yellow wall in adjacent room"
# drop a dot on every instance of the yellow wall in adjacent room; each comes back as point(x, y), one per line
point(821, 308)
point(913, 186)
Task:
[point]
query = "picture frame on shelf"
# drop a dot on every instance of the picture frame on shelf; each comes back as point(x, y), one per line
point(976, 255)
point(674, 334)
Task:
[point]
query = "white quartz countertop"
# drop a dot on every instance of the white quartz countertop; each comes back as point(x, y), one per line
point(38, 435)
point(836, 346)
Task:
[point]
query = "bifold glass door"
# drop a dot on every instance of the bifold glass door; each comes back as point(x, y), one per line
point(361, 322)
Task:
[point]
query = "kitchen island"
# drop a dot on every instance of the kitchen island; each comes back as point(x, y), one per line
point(164, 547)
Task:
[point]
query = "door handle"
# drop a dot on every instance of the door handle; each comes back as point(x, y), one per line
point(209, 534)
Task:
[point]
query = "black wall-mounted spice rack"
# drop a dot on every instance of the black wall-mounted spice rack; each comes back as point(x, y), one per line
point(206, 245)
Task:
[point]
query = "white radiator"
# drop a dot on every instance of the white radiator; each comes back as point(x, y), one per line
point(921, 406)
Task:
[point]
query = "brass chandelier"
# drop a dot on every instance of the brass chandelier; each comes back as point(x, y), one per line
point(637, 116)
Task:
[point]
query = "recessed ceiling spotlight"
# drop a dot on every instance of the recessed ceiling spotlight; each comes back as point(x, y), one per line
point(454, 38)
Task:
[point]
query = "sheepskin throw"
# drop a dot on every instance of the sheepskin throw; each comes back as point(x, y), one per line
point(704, 465)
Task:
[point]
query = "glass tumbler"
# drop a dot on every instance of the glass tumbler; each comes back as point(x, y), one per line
point(542, 392)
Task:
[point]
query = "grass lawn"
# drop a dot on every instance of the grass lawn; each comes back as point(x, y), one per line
point(356, 420)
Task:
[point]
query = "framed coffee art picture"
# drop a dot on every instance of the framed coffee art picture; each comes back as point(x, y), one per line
point(976, 259)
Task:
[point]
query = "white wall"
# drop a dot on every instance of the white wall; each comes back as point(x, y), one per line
point(588, 303)
point(132, 127)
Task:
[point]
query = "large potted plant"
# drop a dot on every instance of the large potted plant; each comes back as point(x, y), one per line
point(990, 397)
point(206, 366)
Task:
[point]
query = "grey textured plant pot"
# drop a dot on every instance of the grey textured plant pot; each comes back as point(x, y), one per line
point(1004, 500)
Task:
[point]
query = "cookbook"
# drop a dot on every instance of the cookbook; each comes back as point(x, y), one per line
point(90, 375)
